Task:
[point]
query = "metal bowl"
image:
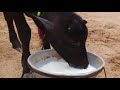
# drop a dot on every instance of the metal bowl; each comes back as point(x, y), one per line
point(39, 59)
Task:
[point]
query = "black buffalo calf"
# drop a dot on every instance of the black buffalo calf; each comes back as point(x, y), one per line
point(65, 31)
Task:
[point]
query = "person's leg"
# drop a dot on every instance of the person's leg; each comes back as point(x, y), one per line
point(24, 33)
point(12, 35)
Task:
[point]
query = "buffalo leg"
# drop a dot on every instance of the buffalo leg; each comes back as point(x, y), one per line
point(12, 35)
point(24, 33)
point(46, 44)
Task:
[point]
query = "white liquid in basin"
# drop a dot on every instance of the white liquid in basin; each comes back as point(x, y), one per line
point(61, 67)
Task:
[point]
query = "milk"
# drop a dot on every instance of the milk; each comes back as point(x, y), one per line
point(61, 67)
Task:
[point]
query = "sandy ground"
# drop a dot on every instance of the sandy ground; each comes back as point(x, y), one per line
point(104, 39)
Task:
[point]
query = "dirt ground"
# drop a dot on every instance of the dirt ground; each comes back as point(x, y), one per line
point(103, 39)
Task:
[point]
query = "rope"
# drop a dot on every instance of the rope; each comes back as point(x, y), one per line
point(40, 14)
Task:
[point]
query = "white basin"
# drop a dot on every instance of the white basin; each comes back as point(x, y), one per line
point(48, 62)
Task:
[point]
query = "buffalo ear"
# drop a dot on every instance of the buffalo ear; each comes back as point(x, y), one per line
point(42, 23)
point(85, 21)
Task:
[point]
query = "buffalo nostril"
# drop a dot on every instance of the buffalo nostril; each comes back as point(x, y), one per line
point(82, 66)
